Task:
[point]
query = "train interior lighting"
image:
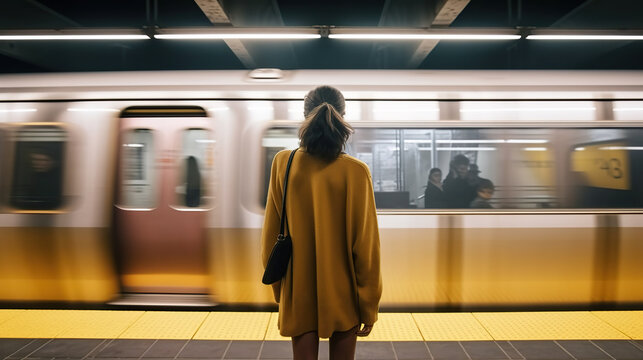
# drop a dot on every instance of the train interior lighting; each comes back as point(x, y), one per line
point(628, 110)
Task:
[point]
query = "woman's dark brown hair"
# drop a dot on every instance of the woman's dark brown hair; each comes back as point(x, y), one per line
point(324, 131)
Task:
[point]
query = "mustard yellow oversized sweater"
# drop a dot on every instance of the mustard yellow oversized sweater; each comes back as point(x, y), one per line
point(333, 282)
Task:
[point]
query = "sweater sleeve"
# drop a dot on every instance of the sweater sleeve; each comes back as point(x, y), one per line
point(271, 222)
point(362, 223)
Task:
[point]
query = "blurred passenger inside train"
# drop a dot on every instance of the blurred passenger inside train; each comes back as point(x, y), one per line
point(484, 191)
point(473, 177)
point(434, 197)
point(333, 285)
point(459, 192)
point(38, 181)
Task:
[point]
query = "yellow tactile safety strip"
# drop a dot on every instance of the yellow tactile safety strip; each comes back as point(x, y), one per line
point(581, 325)
point(390, 327)
point(394, 327)
point(98, 324)
point(272, 332)
point(629, 322)
point(36, 324)
point(263, 326)
point(233, 326)
point(450, 327)
point(165, 325)
point(8, 314)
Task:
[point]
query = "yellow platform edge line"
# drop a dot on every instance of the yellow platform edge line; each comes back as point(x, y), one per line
point(616, 320)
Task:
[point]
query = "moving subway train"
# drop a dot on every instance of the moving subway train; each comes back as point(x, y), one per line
point(149, 188)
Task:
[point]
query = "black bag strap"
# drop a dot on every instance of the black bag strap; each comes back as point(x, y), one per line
point(283, 201)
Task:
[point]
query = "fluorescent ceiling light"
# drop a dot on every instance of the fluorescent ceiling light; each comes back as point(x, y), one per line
point(382, 33)
point(74, 37)
point(585, 37)
point(579, 34)
point(74, 34)
point(235, 36)
point(268, 33)
point(535, 149)
point(394, 36)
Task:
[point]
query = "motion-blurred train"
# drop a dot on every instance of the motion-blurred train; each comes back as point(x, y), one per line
point(148, 188)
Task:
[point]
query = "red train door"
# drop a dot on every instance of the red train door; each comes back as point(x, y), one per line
point(163, 200)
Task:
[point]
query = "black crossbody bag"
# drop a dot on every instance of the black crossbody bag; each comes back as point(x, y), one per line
point(282, 250)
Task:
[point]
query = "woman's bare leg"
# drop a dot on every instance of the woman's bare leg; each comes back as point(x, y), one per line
point(305, 346)
point(342, 345)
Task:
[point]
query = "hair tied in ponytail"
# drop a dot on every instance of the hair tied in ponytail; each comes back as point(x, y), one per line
point(324, 134)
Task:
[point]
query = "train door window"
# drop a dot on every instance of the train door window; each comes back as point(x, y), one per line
point(37, 182)
point(139, 181)
point(195, 166)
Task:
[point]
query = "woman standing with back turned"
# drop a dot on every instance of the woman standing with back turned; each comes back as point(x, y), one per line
point(333, 285)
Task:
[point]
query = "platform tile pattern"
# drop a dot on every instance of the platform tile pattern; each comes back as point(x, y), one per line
point(149, 349)
point(261, 326)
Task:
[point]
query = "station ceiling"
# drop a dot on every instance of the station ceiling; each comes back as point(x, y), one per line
point(324, 53)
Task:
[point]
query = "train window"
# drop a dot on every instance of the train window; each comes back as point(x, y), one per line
point(493, 168)
point(606, 169)
point(138, 170)
point(195, 164)
point(37, 182)
point(628, 110)
point(527, 110)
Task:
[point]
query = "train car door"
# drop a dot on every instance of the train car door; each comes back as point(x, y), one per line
point(163, 199)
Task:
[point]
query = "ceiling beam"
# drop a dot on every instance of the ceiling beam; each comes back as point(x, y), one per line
point(446, 12)
point(53, 13)
point(217, 16)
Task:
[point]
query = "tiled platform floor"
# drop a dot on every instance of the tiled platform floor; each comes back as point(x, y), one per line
point(149, 349)
point(103, 335)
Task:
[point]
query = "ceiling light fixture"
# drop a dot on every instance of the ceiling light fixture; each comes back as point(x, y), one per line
point(74, 34)
point(423, 34)
point(567, 34)
point(275, 33)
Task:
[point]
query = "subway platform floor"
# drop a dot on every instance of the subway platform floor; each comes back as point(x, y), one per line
point(103, 335)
